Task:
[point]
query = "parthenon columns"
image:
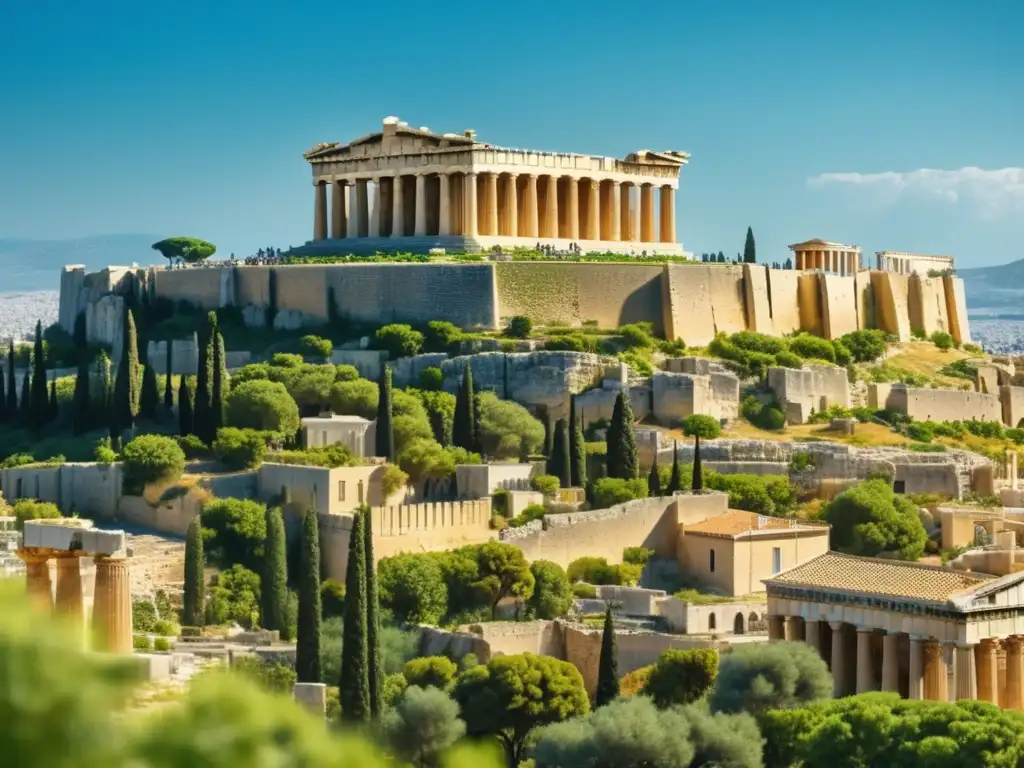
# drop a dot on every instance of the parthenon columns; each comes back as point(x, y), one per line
point(421, 206)
point(511, 224)
point(936, 674)
point(668, 214)
point(444, 217)
point(1012, 699)
point(37, 577)
point(339, 209)
point(838, 665)
point(987, 666)
point(320, 213)
point(572, 217)
point(397, 208)
point(647, 213)
point(915, 689)
point(469, 204)
point(530, 211)
point(812, 634)
point(865, 673)
point(776, 628)
point(69, 586)
point(966, 679)
point(376, 212)
point(112, 605)
point(890, 662)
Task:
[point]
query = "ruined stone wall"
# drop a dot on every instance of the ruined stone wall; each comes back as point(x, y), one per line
point(927, 303)
point(865, 298)
point(838, 305)
point(609, 295)
point(184, 356)
point(810, 389)
point(1012, 399)
point(891, 293)
point(924, 404)
point(87, 488)
point(678, 395)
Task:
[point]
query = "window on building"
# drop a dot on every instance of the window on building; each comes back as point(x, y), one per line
point(341, 490)
point(776, 560)
point(711, 561)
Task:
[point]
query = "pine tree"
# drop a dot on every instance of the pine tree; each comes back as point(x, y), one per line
point(168, 392)
point(186, 422)
point(274, 578)
point(81, 405)
point(40, 399)
point(373, 655)
point(149, 399)
point(54, 408)
point(549, 434)
point(749, 249)
point(607, 670)
point(464, 421)
point(698, 472)
point(577, 448)
point(385, 423)
point(621, 441)
point(675, 481)
point(354, 685)
point(127, 384)
point(193, 602)
point(560, 462)
point(653, 478)
point(307, 646)
point(12, 386)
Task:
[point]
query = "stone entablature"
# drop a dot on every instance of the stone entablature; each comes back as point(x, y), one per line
point(908, 263)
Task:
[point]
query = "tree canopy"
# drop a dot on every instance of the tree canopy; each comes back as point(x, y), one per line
point(188, 249)
point(757, 677)
point(870, 518)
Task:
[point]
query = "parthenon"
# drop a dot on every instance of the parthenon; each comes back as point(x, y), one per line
point(404, 188)
point(827, 257)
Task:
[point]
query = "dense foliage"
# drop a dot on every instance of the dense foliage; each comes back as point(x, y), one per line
point(151, 459)
point(870, 518)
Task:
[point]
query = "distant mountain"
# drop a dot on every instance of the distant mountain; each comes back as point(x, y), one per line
point(34, 265)
point(995, 289)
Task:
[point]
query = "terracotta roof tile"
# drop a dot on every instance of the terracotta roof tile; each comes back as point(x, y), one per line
point(736, 522)
point(880, 577)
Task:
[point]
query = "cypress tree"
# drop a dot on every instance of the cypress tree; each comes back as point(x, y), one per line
point(40, 398)
point(376, 669)
point(80, 337)
point(274, 579)
point(749, 249)
point(621, 441)
point(193, 602)
point(3, 398)
point(464, 421)
point(149, 399)
point(549, 435)
point(560, 462)
point(607, 670)
point(186, 422)
point(12, 386)
point(675, 481)
point(698, 473)
point(271, 299)
point(385, 423)
point(654, 479)
point(168, 393)
point(81, 406)
point(126, 383)
point(577, 448)
point(354, 685)
point(219, 390)
point(307, 646)
point(54, 408)
point(201, 402)
point(26, 398)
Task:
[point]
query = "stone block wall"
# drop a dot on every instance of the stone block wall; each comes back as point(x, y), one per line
point(91, 489)
point(678, 395)
point(838, 305)
point(184, 356)
point(479, 481)
point(924, 404)
point(1012, 400)
point(956, 309)
point(891, 293)
point(927, 304)
point(803, 391)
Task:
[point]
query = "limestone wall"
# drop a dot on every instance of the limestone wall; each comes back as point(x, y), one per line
point(809, 301)
point(478, 481)
point(924, 404)
point(609, 295)
point(197, 286)
point(838, 305)
point(808, 390)
point(865, 298)
point(678, 395)
point(172, 517)
point(784, 300)
point(956, 309)
point(88, 488)
point(891, 293)
point(1012, 399)
point(758, 299)
point(927, 303)
point(701, 300)
point(184, 356)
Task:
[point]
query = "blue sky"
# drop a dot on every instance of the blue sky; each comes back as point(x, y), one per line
point(848, 121)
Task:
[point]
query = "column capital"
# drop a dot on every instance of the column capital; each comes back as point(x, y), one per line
point(836, 625)
point(512, 175)
point(34, 556)
point(865, 630)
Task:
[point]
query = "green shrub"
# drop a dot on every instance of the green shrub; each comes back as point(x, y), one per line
point(142, 643)
point(812, 347)
point(440, 336)
point(926, 447)
point(758, 342)
point(332, 598)
point(192, 446)
point(164, 628)
point(801, 460)
point(637, 555)
point(431, 379)
point(269, 675)
point(575, 342)
point(635, 336)
point(104, 454)
point(961, 369)
point(672, 347)
point(263, 405)
point(597, 570)
point(702, 426)
point(151, 459)
point(763, 416)
point(787, 359)
point(843, 355)
point(942, 340)
point(430, 671)
point(331, 456)
point(920, 432)
point(988, 429)
point(234, 531)
point(637, 360)
point(519, 327)
point(507, 430)
point(974, 349)
point(1016, 434)
point(399, 340)
point(17, 460)
point(345, 372)
point(546, 484)
point(191, 632)
point(682, 677)
point(865, 346)
point(316, 347)
point(530, 513)
point(584, 591)
point(286, 360)
point(919, 333)
point(161, 644)
point(869, 519)
point(551, 596)
point(238, 449)
point(609, 491)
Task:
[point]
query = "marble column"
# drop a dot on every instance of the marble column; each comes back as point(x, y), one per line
point(594, 211)
point(1013, 672)
point(987, 669)
point(512, 205)
point(865, 672)
point(668, 214)
point(790, 628)
point(572, 218)
point(915, 688)
point(375, 213)
point(838, 658)
point(339, 209)
point(397, 208)
point(531, 211)
point(551, 208)
point(891, 662)
point(776, 627)
point(69, 586)
point(812, 634)
point(469, 205)
point(490, 203)
point(112, 605)
point(320, 212)
point(935, 673)
point(421, 206)
point(647, 214)
point(444, 215)
point(37, 577)
point(353, 210)
point(626, 219)
point(966, 679)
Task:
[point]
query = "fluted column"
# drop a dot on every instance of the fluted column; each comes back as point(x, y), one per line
point(794, 629)
point(915, 688)
point(490, 204)
point(838, 658)
point(320, 212)
point(935, 673)
point(512, 205)
point(987, 669)
point(572, 218)
point(647, 214)
point(865, 673)
point(112, 605)
point(812, 634)
point(375, 212)
point(551, 208)
point(339, 209)
point(531, 211)
point(966, 672)
point(397, 208)
point(69, 586)
point(593, 212)
point(614, 217)
point(776, 627)
point(1013, 672)
point(37, 577)
point(444, 216)
point(469, 203)
point(668, 214)
point(421, 206)
point(353, 210)
point(626, 218)
point(891, 662)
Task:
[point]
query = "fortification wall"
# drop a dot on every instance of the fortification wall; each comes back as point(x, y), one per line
point(609, 295)
point(1012, 399)
point(758, 299)
point(701, 300)
point(172, 517)
point(944, 404)
point(892, 298)
point(956, 309)
point(927, 304)
point(678, 395)
point(865, 298)
point(196, 286)
point(809, 302)
point(813, 388)
point(784, 293)
point(838, 304)
point(88, 488)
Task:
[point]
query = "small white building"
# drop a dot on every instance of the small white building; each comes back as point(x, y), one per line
point(353, 432)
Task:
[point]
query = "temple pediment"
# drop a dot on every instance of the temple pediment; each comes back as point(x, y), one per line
point(647, 157)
